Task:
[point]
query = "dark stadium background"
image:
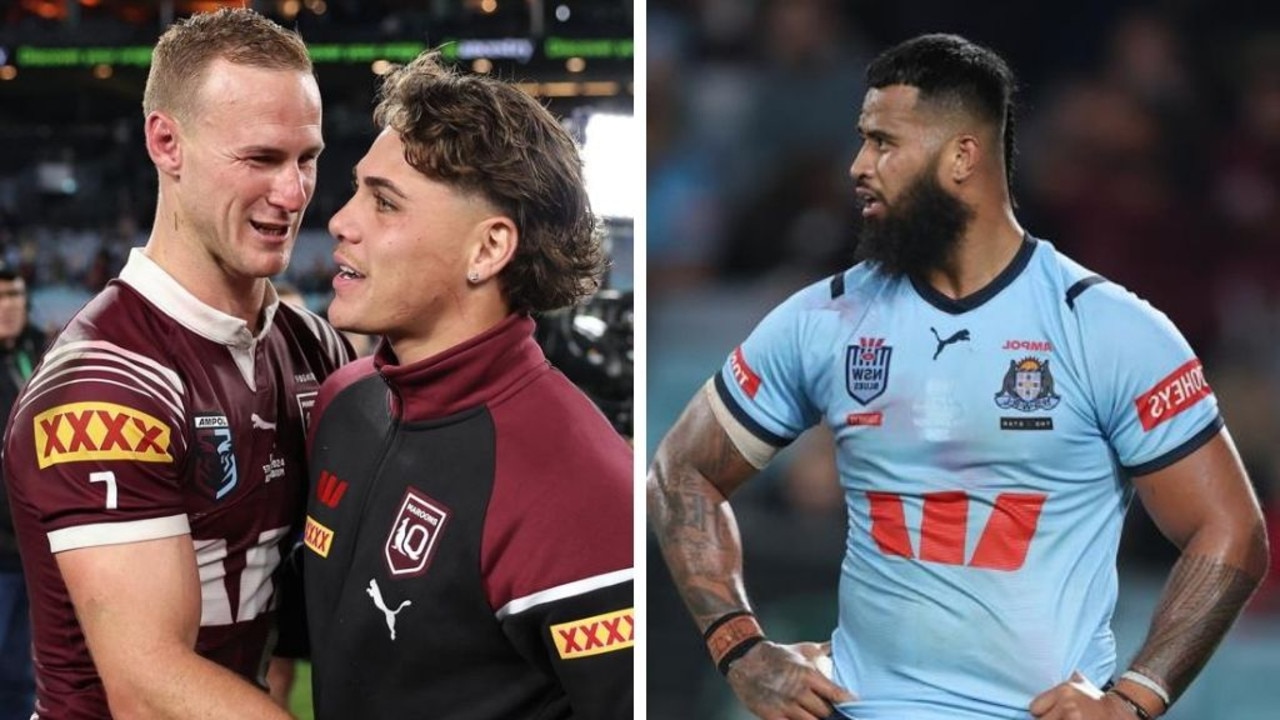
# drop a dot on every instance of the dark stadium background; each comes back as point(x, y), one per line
point(1150, 152)
point(77, 190)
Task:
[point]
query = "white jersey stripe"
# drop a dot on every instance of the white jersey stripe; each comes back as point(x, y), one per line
point(39, 389)
point(117, 533)
point(568, 590)
point(156, 388)
point(56, 356)
point(178, 418)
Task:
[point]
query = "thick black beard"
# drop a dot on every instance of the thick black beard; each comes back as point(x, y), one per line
point(918, 235)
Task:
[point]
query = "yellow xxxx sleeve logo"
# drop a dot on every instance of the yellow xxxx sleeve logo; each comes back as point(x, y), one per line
point(99, 431)
point(317, 537)
point(595, 635)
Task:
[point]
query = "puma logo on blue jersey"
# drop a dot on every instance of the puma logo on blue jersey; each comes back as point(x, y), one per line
point(959, 336)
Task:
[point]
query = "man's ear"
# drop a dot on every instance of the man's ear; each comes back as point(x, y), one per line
point(163, 143)
point(498, 239)
point(966, 154)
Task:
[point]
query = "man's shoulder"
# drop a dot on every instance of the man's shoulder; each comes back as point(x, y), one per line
point(118, 349)
point(310, 328)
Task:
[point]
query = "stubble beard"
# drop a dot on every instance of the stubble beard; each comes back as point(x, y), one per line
point(919, 234)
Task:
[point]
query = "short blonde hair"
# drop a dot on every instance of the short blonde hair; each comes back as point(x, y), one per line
point(238, 35)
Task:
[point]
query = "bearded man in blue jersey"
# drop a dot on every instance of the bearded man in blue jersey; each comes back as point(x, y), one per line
point(996, 407)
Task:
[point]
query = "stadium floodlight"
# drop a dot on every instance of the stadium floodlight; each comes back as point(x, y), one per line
point(612, 164)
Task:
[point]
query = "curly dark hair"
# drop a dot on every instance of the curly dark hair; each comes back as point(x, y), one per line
point(481, 135)
point(238, 35)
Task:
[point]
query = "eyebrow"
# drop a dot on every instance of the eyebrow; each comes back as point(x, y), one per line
point(380, 183)
point(272, 151)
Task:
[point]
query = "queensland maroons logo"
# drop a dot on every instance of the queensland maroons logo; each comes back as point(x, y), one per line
point(413, 535)
point(215, 460)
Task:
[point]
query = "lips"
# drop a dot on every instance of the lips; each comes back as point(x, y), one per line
point(349, 273)
point(346, 270)
point(270, 228)
point(869, 199)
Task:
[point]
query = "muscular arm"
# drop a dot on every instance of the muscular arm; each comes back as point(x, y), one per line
point(696, 468)
point(1205, 505)
point(139, 606)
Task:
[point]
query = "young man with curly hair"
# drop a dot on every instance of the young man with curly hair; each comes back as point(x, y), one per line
point(469, 530)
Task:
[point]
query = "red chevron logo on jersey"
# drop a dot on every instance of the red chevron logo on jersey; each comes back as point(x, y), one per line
point(944, 526)
point(330, 489)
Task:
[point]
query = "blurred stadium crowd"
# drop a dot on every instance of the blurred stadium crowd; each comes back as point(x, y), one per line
point(77, 189)
point(1149, 151)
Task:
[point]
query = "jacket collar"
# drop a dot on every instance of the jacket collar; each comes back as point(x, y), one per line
point(470, 374)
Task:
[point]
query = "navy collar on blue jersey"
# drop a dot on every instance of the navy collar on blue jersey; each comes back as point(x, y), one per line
point(956, 306)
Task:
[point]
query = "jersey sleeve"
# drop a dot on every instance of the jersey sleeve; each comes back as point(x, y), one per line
point(1152, 399)
point(95, 447)
point(556, 556)
point(759, 395)
point(585, 638)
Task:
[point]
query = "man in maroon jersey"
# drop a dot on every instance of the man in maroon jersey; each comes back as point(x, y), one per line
point(155, 459)
point(469, 544)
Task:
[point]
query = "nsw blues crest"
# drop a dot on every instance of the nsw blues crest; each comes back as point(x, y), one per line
point(1028, 386)
point(867, 369)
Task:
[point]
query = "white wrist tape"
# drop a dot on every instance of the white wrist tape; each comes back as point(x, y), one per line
point(1134, 676)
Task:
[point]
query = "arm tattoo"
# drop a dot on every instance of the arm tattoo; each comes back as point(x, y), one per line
point(1201, 601)
point(695, 467)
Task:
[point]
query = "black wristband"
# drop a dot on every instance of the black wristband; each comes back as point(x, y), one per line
point(714, 626)
point(737, 651)
point(1133, 705)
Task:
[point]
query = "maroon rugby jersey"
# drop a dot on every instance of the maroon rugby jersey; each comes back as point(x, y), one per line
point(154, 415)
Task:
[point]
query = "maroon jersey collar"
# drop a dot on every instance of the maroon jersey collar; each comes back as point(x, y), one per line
point(473, 373)
point(168, 296)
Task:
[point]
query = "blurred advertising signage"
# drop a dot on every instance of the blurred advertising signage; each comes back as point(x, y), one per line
point(520, 49)
point(558, 48)
point(140, 55)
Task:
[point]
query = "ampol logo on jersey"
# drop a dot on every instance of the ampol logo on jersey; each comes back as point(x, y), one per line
point(99, 431)
point(413, 534)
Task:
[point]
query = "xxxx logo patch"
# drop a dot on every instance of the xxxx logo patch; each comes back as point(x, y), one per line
point(595, 635)
point(317, 537)
point(99, 431)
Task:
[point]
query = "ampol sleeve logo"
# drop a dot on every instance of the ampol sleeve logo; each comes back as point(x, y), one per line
point(595, 635)
point(99, 431)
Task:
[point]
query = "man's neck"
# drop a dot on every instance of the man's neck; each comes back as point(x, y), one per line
point(458, 327)
point(987, 248)
point(208, 281)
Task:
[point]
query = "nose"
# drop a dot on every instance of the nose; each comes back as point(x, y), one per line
point(340, 225)
point(290, 190)
point(861, 167)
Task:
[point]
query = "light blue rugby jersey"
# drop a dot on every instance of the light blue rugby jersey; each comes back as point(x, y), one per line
point(985, 447)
